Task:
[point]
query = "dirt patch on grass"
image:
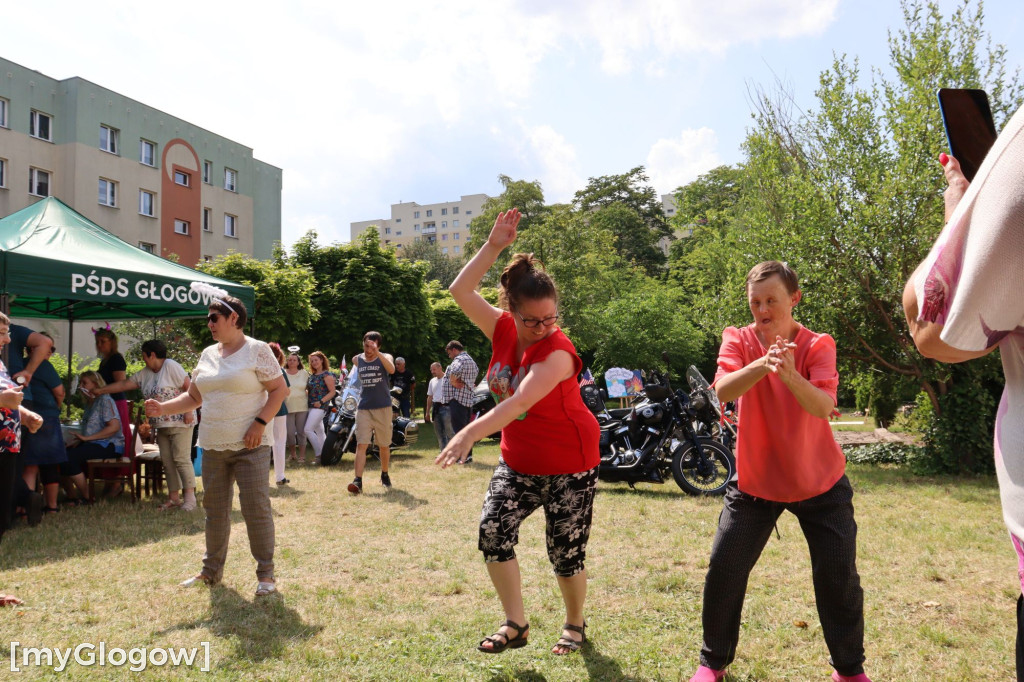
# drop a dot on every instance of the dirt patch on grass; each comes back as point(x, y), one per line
point(848, 439)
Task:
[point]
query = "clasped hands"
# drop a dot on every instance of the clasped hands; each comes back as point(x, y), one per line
point(779, 359)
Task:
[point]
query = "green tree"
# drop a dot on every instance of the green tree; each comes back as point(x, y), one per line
point(283, 293)
point(526, 196)
point(631, 210)
point(850, 194)
point(441, 267)
point(363, 286)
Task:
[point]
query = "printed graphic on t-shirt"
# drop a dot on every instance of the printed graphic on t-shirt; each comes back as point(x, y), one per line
point(502, 383)
point(371, 375)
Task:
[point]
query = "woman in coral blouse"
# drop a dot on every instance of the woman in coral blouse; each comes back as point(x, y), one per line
point(549, 439)
point(784, 377)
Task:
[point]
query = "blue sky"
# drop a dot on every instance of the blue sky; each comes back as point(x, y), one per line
point(413, 100)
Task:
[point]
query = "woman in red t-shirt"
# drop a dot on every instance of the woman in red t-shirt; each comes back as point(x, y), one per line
point(784, 377)
point(549, 439)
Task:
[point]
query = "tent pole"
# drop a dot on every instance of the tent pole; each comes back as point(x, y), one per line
point(5, 308)
point(71, 338)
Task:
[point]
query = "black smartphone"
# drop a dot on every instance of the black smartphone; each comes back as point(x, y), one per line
point(970, 129)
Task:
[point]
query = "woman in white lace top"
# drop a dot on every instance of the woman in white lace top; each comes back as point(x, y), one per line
point(239, 384)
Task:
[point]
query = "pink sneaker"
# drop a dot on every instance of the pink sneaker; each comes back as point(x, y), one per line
point(836, 677)
point(706, 674)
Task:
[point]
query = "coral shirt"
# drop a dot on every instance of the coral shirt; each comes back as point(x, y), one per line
point(783, 453)
point(558, 435)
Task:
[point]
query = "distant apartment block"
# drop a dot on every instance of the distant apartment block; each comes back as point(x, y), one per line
point(445, 224)
point(156, 181)
point(668, 205)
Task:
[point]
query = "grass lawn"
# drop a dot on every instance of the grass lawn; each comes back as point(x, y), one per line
point(392, 587)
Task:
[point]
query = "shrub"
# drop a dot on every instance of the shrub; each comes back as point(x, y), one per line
point(900, 454)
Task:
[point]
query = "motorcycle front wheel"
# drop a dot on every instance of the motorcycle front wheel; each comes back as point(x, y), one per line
point(703, 476)
point(332, 451)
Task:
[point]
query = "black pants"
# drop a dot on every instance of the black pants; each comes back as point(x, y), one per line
point(743, 530)
point(8, 474)
point(460, 415)
point(1020, 637)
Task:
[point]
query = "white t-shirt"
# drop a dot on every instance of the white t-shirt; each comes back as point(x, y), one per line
point(233, 393)
point(971, 284)
point(434, 389)
point(163, 386)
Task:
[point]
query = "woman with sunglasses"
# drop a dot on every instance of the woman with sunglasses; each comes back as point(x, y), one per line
point(239, 384)
point(549, 439)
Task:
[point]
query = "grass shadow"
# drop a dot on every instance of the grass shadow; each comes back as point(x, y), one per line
point(399, 496)
point(601, 667)
point(519, 676)
point(285, 491)
point(257, 630)
point(104, 526)
point(661, 491)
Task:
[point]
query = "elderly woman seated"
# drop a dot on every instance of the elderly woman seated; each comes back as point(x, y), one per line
point(100, 437)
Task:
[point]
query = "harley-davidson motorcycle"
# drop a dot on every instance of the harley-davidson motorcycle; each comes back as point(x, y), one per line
point(341, 425)
point(664, 432)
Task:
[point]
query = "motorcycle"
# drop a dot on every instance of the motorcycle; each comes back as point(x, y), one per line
point(483, 402)
point(341, 425)
point(656, 436)
point(713, 421)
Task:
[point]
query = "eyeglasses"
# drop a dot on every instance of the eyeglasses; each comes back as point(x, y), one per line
point(530, 324)
point(213, 318)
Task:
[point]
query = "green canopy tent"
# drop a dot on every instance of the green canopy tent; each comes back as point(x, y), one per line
point(57, 264)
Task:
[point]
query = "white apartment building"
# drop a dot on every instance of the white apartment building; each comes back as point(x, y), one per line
point(445, 224)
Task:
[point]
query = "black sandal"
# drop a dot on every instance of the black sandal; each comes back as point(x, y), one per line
point(570, 645)
point(500, 641)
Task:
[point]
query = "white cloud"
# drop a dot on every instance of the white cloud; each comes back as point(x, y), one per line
point(557, 165)
point(674, 162)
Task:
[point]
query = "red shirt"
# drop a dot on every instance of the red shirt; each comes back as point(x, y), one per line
point(558, 435)
point(783, 453)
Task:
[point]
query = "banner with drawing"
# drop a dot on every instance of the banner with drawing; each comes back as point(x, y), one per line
point(623, 382)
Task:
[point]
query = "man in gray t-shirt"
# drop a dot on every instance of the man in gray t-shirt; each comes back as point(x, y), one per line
point(373, 416)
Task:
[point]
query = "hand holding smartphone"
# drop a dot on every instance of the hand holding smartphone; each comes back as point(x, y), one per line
point(970, 130)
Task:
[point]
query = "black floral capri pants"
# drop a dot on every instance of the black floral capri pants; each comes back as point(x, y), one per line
point(568, 501)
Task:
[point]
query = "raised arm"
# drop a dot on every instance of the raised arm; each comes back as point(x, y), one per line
point(117, 386)
point(463, 289)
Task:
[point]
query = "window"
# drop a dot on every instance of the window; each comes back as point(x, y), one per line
point(39, 125)
point(455, 210)
point(444, 237)
point(147, 203)
point(230, 225)
point(398, 220)
point(444, 249)
point(455, 236)
point(3, 172)
point(181, 226)
point(230, 179)
point(207, 220)
point(387, 230)
point(455, 223)
point(207, 259)
point(469, 213)
point(38, 182)
point(3, 112)
point(147, 247)
point(108, 193)
point(181, 178)
point(416, 227)
point(108, 139)
point(208, 172)
point(147, 152)
point(430, 212)
point(444, 224)
point(398, 234)
point(456, 249)
point(444, 211)
point(415, 214)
